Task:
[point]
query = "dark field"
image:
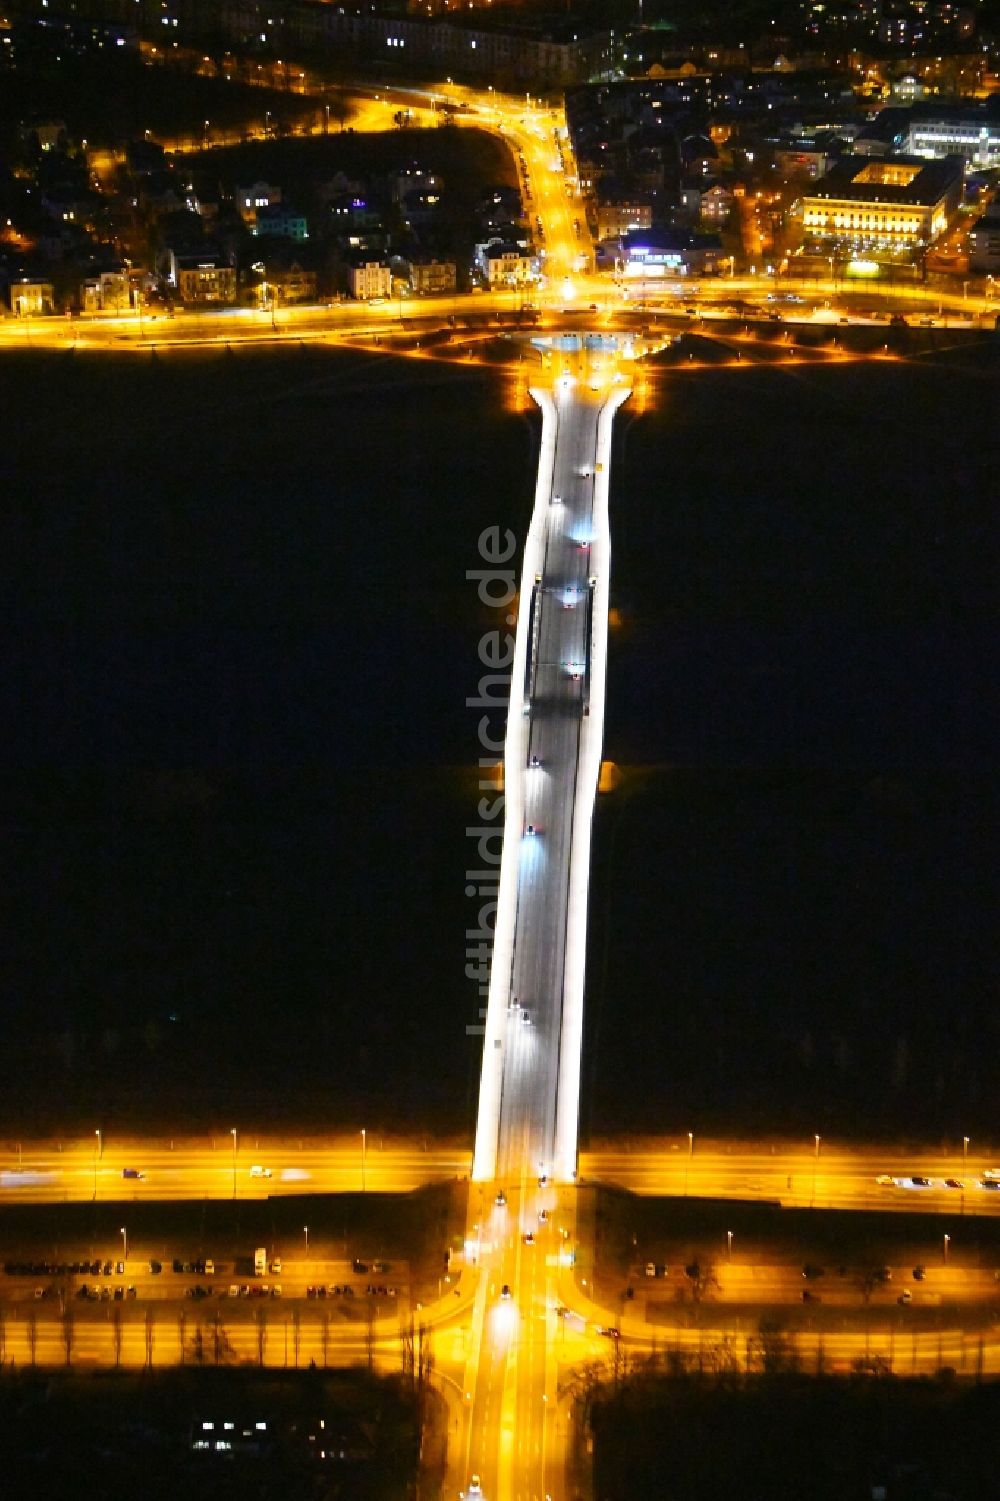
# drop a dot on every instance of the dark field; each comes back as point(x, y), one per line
point(782, 1437)
point(237, 757)
point(118, 1436)
point(792, 917)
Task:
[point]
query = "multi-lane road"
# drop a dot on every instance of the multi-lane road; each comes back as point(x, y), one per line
point(219, 1167)
point(505, 1343)
point(828, 1176)
point(557, 709)
point(822, 1175)
point(529, 1096)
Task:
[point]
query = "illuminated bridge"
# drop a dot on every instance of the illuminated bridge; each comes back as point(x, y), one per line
point(529, 1093)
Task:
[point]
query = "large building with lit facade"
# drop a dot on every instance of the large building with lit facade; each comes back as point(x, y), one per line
point(970, 131)
point(881, 204)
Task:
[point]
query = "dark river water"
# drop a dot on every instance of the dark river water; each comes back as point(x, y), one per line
point(238, 764)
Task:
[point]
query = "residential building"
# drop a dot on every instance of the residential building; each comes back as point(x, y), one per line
point(503, 263)
point(803, 158)
point(50, 134)
point(431, 275)
point(204, 278)
point(290, 283)
point(108, 291)
point(31, 297)
point(549, 55)
point(280, 219)
point(617, 213)
point(257, 195)
point(370, 278)
point(709, 202)
point(415, 179)
point(984, 241)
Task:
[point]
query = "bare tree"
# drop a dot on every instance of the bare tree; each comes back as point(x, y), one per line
point(67, 1335)
point(296, 1335)
point(406, 1349)
point(150, 1335)
point(31, 1331)
point(116, 1335)
point(324, 1335)
point(260, 1320)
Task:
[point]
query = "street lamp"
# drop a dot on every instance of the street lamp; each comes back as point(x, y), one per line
point(124, 1235)
point(100, 1142)
point(305, 1231)
point(364, 1143)
point(232, 1132)
point(817, 1139)
point(947, 1243)
point(965, 1154)
point(97, 1154)
point(729, 1244)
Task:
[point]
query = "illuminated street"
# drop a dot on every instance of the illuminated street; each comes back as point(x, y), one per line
point(525, 1311)
point(834, 1178)
point(567, 284)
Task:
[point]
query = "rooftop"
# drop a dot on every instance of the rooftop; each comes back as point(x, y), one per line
point(893, 179)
